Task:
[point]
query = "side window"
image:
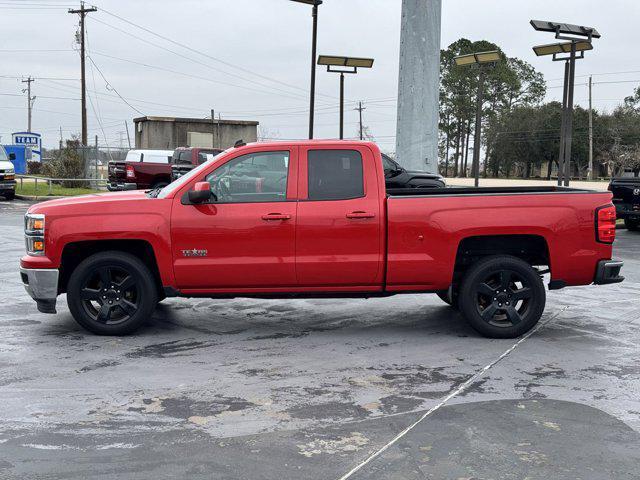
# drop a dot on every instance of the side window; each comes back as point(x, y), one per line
point(184, 157)
point(335, 174)
point(256, 177)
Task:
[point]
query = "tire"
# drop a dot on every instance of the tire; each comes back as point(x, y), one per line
point(116, 277)
point(10, 195)
point(631, 225)
point(489, 290)
point(450, 300)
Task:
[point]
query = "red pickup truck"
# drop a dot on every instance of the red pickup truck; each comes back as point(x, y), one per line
point(313, 218)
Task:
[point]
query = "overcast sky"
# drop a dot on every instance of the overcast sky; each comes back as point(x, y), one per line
point(256, 59)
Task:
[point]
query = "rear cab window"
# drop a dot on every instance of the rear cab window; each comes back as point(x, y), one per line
point(335, 174)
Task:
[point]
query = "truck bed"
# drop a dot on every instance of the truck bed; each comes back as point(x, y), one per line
point(426, 229)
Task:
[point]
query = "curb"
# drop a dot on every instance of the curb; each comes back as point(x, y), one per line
point(38, 198)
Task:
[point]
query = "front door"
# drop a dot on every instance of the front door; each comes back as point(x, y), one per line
point(245, 238)
point(339, 235)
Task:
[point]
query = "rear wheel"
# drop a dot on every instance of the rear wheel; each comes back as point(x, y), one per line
point(111, 293)
point(631, 224)
point(502, 297)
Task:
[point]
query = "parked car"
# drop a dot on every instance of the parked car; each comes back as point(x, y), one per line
point(313, 218)
point(186, 159)
point(397, 176)
point(141, 169)
point(626, 198)
point(7, 175)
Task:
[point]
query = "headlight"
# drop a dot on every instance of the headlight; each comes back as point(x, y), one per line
point(9, 174)
point(34, 233)
point(34, 224)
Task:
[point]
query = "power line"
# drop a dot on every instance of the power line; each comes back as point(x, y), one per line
point(240, 77)
point(111, 87)
point(191, 49)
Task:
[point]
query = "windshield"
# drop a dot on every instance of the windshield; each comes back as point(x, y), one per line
point(3, 154)
point(172, 187)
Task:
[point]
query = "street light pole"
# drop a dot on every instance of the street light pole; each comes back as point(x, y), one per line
point(341, 106)
point(569, 124)
point(342, 65)
point(314, 44)
point(563, 123)
point(476, 137)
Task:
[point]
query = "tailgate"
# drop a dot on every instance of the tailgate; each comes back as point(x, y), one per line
point(117, 172)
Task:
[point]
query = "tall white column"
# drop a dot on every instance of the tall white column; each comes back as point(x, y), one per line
point(418, 87)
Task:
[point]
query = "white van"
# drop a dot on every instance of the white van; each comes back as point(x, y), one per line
point(7, 175)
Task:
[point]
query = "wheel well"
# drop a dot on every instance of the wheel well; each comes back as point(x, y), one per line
point(533, 249)
point(76, 252)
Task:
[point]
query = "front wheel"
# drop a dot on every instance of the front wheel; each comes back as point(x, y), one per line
point(502, 297)
point(111, 293)
point(631, 224)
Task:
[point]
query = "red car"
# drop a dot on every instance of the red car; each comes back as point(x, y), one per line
point(313, 218)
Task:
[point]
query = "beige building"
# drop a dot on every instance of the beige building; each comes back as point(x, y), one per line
point(167, 133)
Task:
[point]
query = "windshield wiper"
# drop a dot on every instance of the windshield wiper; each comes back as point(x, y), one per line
point(154, 192)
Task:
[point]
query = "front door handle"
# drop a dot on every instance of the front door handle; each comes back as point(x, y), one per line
point(275, 216)
point(360, 214)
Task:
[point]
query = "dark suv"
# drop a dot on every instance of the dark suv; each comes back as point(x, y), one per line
point(626, 198)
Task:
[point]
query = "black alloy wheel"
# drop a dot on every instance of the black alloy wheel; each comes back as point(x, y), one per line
point(502, 297)
point(112, 293)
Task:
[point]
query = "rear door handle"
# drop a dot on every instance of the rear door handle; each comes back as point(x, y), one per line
point(360, 214)
point(276, 216)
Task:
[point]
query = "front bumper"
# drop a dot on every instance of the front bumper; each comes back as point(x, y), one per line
point(7, 185)
point(42, 285)
point(608, 271)
point(116, 187)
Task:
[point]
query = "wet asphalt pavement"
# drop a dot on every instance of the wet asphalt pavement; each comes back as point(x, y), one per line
point(313, 389)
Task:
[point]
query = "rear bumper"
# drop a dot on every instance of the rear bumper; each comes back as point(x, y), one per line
point(608, 271)
point(116, 187)
point(42, 285)
point(628, 210)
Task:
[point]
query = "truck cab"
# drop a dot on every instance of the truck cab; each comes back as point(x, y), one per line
point(186, 159)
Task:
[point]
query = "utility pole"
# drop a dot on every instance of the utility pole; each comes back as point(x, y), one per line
point(126, 126)
point(360, 108)
point(213, 128)
point(83, 12)
point(590, 172)
point(30, 101)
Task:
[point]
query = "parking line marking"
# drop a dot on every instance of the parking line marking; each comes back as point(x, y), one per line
point(453, 394)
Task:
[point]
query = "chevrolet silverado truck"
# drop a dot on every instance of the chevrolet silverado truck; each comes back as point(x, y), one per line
point(626, 198)
point(314, 219)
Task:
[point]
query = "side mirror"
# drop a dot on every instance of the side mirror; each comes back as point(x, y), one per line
point(201, 192)
point(12, 156)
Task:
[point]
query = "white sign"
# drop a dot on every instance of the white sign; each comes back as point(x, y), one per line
point(29, 139)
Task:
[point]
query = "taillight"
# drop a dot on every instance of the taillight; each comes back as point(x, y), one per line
point(130, 172)
point(606, 224)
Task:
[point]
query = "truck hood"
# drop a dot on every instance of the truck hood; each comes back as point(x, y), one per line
point(95, 200)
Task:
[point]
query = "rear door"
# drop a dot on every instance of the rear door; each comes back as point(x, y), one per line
point(339, 232)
